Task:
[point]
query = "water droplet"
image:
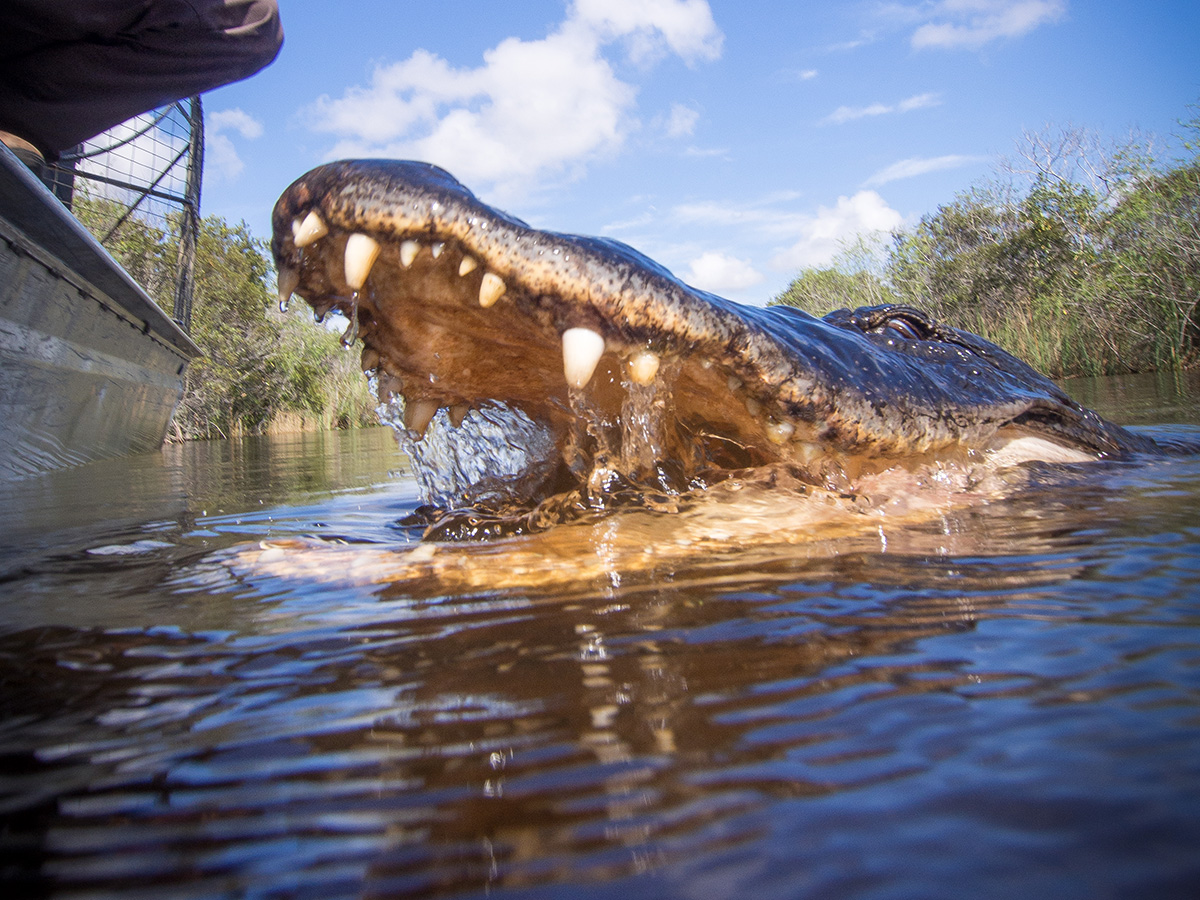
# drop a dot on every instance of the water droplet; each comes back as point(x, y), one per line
point(350, 335)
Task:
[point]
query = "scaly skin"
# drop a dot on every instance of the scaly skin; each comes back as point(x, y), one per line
point(465, 306)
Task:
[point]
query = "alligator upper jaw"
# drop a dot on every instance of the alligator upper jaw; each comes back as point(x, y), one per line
point(460, 307)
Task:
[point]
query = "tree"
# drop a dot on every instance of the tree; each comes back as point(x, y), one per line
point(259, 366)
point(1081, 257)
point(854, 278)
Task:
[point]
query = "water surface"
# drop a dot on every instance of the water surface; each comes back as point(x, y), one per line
point(998, 700)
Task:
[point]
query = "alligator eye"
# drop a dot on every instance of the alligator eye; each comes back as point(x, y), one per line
point(905, 329)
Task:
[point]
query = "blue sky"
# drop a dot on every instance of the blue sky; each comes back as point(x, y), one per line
point(734, 141)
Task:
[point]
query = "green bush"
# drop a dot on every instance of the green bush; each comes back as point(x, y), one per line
point(261, 368)
point(1084, 262)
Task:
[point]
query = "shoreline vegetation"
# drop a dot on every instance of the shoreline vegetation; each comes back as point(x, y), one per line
point(263, 371)
point(1079, 257)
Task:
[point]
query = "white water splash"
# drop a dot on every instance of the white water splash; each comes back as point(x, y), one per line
point(497, 453)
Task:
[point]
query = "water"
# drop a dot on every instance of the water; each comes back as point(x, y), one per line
point(999, 700)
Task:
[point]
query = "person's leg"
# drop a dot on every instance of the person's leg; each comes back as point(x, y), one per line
point(101, 62)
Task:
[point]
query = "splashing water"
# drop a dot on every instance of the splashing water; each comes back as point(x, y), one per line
point(643, 422)
point(500, 455)
point(496, 454)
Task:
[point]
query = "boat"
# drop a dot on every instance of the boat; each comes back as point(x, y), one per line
point(90, 366)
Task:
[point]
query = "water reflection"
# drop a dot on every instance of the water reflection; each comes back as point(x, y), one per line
point(1148, 399)
point(93, 546)
point(999, 700)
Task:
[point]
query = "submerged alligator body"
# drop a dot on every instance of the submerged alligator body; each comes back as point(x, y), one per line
point(623, 375)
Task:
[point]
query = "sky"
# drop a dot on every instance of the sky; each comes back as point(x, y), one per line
point(734, 141)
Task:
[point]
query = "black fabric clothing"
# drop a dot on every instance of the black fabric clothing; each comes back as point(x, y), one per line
point(70, 69)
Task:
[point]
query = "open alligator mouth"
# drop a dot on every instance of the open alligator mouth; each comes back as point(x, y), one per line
point(601, 369)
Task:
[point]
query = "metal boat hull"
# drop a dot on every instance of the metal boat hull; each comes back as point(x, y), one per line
point(90, 367)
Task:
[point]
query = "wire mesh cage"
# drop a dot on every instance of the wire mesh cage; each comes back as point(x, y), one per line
point(136, 187)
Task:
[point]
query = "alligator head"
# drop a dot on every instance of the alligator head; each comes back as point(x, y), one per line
point(601, 369)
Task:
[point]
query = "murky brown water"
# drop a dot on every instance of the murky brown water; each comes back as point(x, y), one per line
point(999, 700)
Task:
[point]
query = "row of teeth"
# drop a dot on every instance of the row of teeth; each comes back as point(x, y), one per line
point(581, 347)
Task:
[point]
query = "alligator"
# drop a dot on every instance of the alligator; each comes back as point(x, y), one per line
point(627, 380)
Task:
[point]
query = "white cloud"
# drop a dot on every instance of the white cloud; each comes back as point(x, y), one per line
point(763, 218)
point(532, 108)
point(707, 152)
point(845, 114)
point(685, 27)
point(682, 121)
point(717, 272)
point(822, 235)
point(847, 46)
point(914, 166)
point(238, 120)
point(972, 23)
point(790, 75)
point(141, 151)
point(220, 155)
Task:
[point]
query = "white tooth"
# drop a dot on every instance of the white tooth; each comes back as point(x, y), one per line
point(753, 407)
point(468, 264)
point(490, 289)
point(370, 359)
point(408, 252)
point(807, 453)
point(643, 367)
point(361, 253)
point(437, 248)
point(418, 414)
point(310, 229)
point(735, 383)
point(582, 349)
point(458, 412)
point(780, 432)
point(288, 281)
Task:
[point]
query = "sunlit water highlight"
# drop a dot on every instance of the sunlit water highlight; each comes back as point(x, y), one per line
point(994, 699)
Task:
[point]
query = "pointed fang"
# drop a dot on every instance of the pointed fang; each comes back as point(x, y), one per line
point(361, 252)
point(643, 367)
point(418, 414)
point(467, 265)
point(312, 228)
point(582, 349)
point(408, 252)
point(370, 359)
point(387, 387)
point(491, 289)
point(288, 281)
point(780, 432)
